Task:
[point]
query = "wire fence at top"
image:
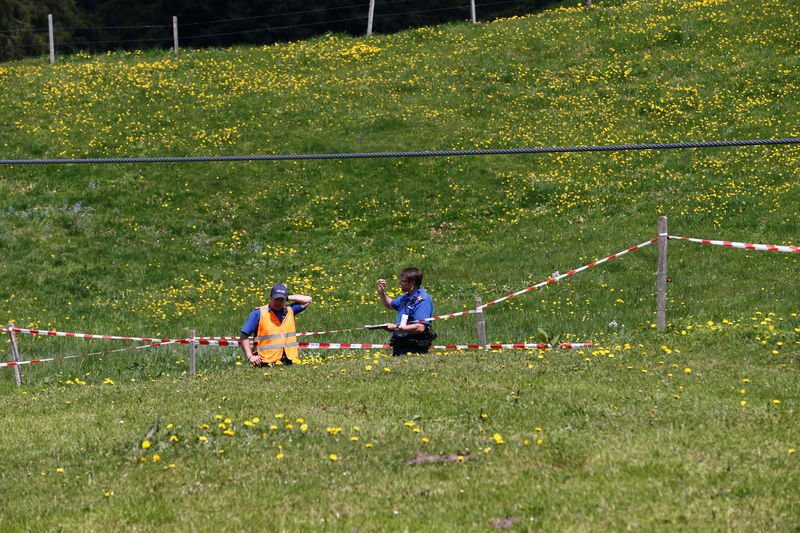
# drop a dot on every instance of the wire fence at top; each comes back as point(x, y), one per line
point(267, 28)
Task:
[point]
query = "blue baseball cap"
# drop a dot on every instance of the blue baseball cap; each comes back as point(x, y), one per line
point(279, 291)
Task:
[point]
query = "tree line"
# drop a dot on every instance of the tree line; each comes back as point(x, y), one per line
point(101, 25)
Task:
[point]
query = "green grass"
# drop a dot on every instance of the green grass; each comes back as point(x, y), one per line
point(629, 437)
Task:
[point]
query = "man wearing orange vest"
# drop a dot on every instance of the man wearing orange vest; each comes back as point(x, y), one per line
point(273, 324)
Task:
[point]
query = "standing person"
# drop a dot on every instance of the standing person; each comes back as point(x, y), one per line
point(409, 335)
point(273, 324)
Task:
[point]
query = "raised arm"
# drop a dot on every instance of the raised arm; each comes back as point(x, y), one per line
point(385, 300)
point(301, 299)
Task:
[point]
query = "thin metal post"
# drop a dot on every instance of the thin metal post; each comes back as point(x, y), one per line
point(661, 303)
point(15, 354)
point(472, 11)
point(192, 353)
point(480, 322)
point(370, 17)
point(175, 34)
point(52, 41)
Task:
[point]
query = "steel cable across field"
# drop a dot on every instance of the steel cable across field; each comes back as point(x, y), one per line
point(436, 153)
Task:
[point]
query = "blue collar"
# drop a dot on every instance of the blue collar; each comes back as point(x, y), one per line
point(412, 296)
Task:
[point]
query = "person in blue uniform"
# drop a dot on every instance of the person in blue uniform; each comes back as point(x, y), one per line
point(409, 335)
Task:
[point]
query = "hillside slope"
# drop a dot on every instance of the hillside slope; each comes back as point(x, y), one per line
point(163, 248)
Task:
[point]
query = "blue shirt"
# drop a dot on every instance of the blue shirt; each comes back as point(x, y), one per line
point(251, 326)
point(417, 305)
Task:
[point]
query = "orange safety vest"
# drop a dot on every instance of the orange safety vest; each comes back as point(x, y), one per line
point(275, 337)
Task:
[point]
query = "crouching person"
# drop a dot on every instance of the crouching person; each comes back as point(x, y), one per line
point(274, 329)
point(415, 304)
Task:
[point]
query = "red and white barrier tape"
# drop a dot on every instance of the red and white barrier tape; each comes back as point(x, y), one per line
point(480, 309)
point(91, 336)
point(571, 272)
point(234, 341)
point(563, 346)
point(326, 345)
point(206, 341)
point(18, 363)
point(299, 334)
point(743, 245)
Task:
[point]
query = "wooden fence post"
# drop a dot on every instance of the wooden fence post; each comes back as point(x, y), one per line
point(52, 41)
point(472, 11)
point(661, 303)
point(370, 17)
point(175, 34)
point(15, 354)
point(192, 353)
point(481, 323)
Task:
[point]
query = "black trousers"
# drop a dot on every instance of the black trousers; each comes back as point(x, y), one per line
point(402, 346)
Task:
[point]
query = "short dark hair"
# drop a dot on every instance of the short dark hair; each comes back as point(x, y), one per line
point(413, 274)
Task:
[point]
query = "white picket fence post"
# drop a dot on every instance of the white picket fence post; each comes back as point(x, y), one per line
point(480, 322)
point(192, 353)
point(15, 354)
point(52, 41)
point(661, 301)
point(370, 17)
point(175, 34)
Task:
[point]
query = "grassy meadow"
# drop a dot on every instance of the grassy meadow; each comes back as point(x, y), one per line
point(689, 428)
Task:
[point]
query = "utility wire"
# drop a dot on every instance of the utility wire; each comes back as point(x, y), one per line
point(440, 153)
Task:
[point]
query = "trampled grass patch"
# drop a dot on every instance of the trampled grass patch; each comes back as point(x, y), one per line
point(687, 428)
